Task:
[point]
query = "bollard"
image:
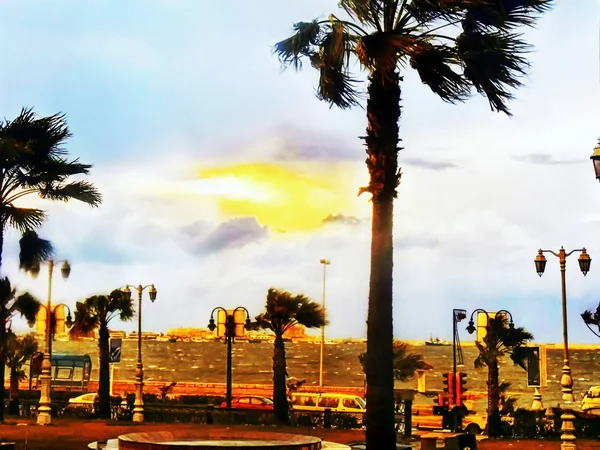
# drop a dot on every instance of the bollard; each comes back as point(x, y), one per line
point(327, 418)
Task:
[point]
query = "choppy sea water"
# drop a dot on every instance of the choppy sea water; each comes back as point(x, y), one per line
point(205, 362)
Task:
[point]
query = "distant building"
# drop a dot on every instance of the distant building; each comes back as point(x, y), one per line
point(146, 335)
point(117, 334)
point(184, 334)
point(60, 331)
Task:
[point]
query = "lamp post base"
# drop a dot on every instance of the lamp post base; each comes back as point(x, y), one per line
point(44, 417)
point(138, 405)
point(537, 401)
point(568, 428)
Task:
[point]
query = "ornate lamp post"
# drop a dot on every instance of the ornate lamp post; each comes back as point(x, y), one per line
point(229, 335)
point(44, 417)
point(566, 381)
point(471, 329)
point(596, 160)
point(138, 405)
point(457, 316)
point(68, 322)
point(325, 263)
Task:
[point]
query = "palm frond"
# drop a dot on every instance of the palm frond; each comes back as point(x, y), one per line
point(23, 219)
point(433, 64)
point(336, 86)
point(86, 318)
point(504, 14)
point(43, 136)
point(7, 294)
point(77, 190)
point(493, 63)
point(33, 249)
point(28, 306)
point(589, 318)
point(291, 50)
point(367, 12)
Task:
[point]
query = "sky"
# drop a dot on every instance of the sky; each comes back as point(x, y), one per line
point(223, 175)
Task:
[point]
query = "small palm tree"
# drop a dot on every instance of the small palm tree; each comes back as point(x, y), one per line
point(592, 319)
point(456, 47)
point(501, 339)
point(34, 161)
point(283, 311)
point(12, 304)
point(406, 363)
point(19, 350)
point(96, 312)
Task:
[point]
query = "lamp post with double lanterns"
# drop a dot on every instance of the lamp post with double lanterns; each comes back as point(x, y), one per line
point(44, 417)
point(229, 336)
point(68, 322)
point(471, 329)
point(138, 405)
point(566, 381)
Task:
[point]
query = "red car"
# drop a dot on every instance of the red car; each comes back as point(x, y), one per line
point(250, 402)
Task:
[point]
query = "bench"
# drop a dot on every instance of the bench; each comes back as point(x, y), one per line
point(452, 441)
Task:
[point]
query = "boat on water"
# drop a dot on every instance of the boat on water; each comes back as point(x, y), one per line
point(437, 342)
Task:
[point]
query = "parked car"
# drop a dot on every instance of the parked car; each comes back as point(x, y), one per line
point(591, 401)
point(250, 402)
point(83, 400)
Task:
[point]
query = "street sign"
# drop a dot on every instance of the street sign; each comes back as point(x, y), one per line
point(537, 367)
point(114, 352)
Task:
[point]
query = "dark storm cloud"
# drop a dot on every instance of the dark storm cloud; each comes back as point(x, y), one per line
point(425, 164)
point(234, 233)
point(544, 159)
point(341, 219)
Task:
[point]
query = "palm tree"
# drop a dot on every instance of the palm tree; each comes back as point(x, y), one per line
point(406, 363)
point(19, 350)
point(96, 312)
point(501, 339)
point(283, 311)
point(592, 319)
point(455, 46)
point(33, 161)
point(12, 304)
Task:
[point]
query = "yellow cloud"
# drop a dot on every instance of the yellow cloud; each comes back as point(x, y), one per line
point(291, 197)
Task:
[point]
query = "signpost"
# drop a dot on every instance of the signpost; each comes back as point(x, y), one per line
point(537, 373)
point(114, 356)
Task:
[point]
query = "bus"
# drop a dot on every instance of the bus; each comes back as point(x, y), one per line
point(69, 372)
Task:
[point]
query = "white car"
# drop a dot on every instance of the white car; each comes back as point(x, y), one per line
point(85, 399)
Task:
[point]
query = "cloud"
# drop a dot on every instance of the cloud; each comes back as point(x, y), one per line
point(425, 164)
point(342, 219)
point(545, 159)
point(234, 233)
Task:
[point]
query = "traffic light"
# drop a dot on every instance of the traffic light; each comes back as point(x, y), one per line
point(461, 381)
point(449, 386)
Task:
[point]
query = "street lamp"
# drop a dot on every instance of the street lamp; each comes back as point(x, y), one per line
point(325, 263)
point(471, 329)
point(457, 316)
point(68, 322)
point(566, 381)
point(229, 335)
point(44, 417)
point(138, 405)
point(596, 160)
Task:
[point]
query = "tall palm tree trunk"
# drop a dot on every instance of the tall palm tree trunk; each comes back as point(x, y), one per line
point(280, 403)
point(383, 113)
point(14, 382)
point(3, 343)
point(494, 429)
point(104, 376)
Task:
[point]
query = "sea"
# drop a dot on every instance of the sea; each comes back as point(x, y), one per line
point(205, 362)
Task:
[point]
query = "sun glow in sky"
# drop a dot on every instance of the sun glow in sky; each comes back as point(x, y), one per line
point(284, 197)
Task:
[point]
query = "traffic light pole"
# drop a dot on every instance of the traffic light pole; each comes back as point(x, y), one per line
point(454, 351)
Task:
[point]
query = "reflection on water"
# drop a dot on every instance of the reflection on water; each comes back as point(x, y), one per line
point(206, 362)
